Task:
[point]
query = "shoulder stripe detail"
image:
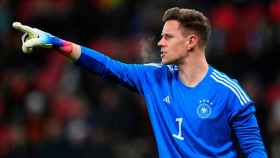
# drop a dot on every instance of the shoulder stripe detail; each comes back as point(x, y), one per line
point(230, 87)
point(234, 84)
point(153, 64)
point(230, 84)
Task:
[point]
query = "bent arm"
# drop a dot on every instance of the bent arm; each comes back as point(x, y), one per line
point(248, 133)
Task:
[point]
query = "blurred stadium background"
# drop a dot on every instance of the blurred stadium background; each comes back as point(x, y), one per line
point(51, 109)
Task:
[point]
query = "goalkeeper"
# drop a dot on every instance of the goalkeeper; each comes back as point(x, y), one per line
point(195, 110)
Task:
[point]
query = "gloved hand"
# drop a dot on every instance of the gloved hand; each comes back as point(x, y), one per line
point(34, 37)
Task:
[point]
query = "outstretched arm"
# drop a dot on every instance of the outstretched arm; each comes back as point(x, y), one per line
point(129, 75)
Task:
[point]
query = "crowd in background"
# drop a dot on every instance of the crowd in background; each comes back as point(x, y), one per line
point(51, 108)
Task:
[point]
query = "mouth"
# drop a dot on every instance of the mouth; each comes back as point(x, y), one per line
point(163, 54)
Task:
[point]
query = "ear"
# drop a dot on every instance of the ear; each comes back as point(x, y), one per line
point(192, 41)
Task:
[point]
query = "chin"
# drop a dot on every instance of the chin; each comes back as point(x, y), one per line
point(165, 62)
point(169, 62)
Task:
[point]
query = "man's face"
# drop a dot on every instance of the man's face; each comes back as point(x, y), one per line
point(173, 43)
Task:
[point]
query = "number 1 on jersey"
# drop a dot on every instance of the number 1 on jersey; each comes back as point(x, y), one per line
point(179, 135)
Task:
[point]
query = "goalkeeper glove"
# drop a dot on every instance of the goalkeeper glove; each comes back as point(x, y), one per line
point(34, 37)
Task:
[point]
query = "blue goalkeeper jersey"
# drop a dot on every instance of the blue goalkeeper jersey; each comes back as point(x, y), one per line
point(188, 122)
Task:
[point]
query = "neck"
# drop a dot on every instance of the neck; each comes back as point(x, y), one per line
point(193, 69)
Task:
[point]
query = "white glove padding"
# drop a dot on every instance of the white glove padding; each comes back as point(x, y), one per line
point(32, 37)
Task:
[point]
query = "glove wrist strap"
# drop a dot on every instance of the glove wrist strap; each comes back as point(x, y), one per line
point(65, 48)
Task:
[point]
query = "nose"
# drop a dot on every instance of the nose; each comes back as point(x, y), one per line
point(160, 42)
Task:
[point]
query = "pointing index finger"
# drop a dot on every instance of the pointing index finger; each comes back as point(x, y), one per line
point(23, 28)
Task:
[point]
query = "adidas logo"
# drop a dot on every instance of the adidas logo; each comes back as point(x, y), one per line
point(166, 100)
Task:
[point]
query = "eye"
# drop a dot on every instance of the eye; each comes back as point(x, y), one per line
point(168, 36)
